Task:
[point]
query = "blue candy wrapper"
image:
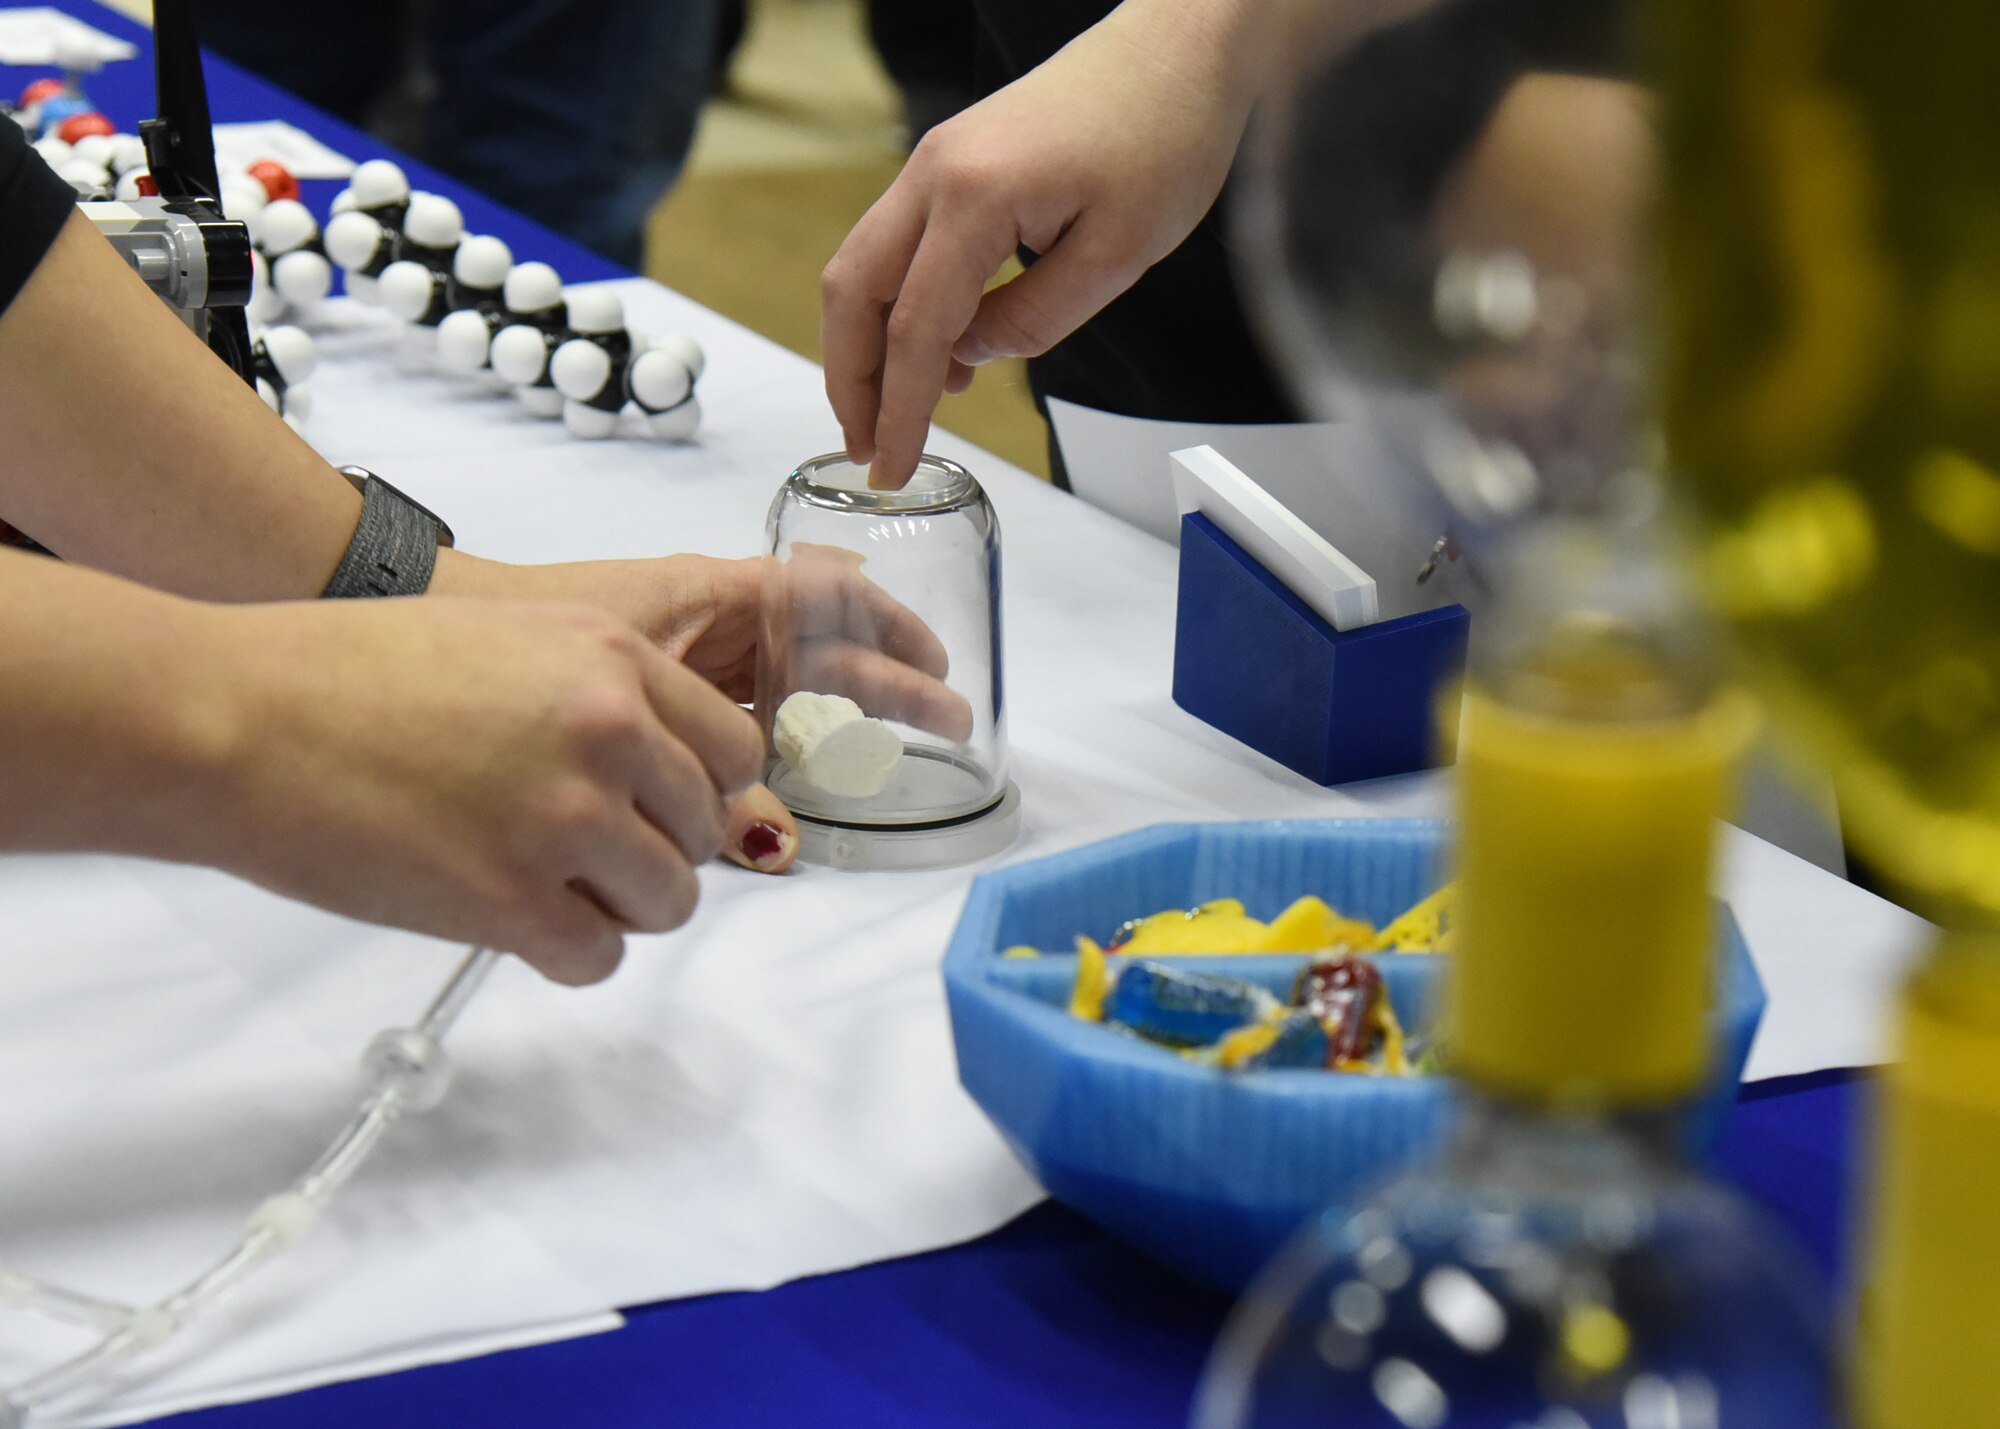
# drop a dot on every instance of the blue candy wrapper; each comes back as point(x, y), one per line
point(1297, 1040)
point(1184, 1009)
point(1207, 1169)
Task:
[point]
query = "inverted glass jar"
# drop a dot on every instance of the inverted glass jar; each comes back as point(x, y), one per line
point(890, 599)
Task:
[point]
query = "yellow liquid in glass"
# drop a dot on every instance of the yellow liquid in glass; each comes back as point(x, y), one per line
point(1584, 977)
point(1832, 395)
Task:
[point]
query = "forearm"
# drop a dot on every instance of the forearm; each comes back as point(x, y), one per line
point(1229, 44)
point(113, 727)
point(129, 447)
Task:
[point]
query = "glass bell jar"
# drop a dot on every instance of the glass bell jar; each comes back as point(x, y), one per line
point(879, 667)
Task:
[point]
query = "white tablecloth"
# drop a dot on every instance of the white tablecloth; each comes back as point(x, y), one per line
point(766, 1094)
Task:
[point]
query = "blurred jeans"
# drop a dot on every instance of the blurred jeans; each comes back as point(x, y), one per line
point(578, 113)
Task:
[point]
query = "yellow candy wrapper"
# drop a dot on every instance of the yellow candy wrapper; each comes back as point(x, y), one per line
point(1429, 927)
point(1093, 982)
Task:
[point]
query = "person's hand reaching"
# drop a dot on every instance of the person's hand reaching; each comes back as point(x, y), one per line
point(1101, 162)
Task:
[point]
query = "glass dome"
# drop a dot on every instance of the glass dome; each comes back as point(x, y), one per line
point(879, 677)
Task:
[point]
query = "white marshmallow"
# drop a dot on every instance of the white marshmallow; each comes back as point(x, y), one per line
point(836, 747)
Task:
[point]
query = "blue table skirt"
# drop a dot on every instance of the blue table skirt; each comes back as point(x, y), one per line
point(1046, 1323)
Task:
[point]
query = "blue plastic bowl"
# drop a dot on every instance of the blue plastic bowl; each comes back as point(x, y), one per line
point(1206, 1170)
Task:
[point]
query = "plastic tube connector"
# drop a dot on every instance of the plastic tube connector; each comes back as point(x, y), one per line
point(411, 1063)
point(289, 1217)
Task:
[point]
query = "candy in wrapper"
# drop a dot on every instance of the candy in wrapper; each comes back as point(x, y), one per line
point(1294, 1040)
point(1218, 927)
point(1163, 1004)
point(1343, 993)
point(1310, 926)
point(1428, 927)
point(1222, 926)
point(1093, 980)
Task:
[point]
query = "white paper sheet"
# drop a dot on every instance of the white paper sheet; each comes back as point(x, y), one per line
point(1332, 475)
point(36, 34)
point(766, 1094)
point(1832, 958)
point(154, 1099)
point(237, 146)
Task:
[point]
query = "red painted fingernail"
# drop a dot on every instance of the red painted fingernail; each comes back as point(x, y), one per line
point(763, 842)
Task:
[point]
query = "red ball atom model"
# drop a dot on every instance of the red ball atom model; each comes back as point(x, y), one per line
point(78, 126)
point(38, 91)
point(276, 178)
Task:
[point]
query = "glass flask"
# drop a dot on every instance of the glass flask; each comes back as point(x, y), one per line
point(1451, 222)
point(1563, 1266)
point(879, 677)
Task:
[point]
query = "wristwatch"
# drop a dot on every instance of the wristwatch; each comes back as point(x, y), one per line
point(395, 545)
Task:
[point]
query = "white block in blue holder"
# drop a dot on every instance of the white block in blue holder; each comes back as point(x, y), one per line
point(1332, 586)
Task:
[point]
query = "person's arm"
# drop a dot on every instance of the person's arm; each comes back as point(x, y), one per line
point(131, 448)
point(538, 778)
point(1101, 161)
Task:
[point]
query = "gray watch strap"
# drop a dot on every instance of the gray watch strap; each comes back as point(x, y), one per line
point(395, 546)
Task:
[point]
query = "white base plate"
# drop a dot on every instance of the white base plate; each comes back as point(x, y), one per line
point(981, 836)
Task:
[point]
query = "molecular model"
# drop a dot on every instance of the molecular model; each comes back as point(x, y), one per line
point(527, 293)
point(288, 256)
point(566, 353)
point(364, 235)
point(603, 365)
point(283, 358)
point(417, 286)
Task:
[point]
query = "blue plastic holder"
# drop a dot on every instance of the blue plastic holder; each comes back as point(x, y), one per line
point(1260, 665)
point(1210, 1170)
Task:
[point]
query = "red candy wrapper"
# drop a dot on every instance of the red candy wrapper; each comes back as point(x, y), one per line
point(1342, 992)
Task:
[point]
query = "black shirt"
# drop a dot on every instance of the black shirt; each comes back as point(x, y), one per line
point(1177, 344)
point(34, 204)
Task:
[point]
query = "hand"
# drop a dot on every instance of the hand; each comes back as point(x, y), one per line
point(1101, 161)
point(533, 777)
point(814, 622)
point(826, 627)
point(838, 628)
